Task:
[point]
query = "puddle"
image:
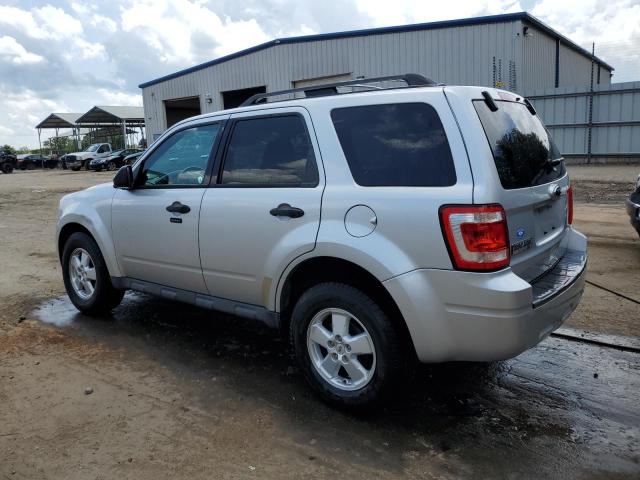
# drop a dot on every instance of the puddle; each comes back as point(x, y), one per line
point(58, 311)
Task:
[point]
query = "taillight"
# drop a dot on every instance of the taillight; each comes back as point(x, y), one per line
point(476, 236)
point(570, 205)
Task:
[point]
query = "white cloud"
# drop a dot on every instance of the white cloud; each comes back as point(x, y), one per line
point(15, 53)
point(397, 12)
point(183, 31)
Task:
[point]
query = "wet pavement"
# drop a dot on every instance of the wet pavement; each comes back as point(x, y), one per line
point(564, 409)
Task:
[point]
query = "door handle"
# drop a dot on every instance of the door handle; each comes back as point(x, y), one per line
point(286, 210)
point(177, 207)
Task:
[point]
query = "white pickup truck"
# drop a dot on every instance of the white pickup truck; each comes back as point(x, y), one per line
point(78, 160)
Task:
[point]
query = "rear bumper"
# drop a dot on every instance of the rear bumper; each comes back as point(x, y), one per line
point(454, 315)
point(633, 209)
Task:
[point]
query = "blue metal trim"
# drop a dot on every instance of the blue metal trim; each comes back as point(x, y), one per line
point(506, 17)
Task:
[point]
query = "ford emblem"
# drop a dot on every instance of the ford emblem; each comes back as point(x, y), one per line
point(520, 232)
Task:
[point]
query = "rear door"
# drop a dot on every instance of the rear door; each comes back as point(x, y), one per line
point(263, 210)
point(533, 183)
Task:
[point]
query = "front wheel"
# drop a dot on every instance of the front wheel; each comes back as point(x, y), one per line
point(346, 345)
point(86, 277)
point(111, 166)
point(7, 168)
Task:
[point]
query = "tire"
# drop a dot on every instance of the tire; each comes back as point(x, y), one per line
point(85, 165)
point(104, 297)
point(111, 166)
point(384, 367)
point(7, 168)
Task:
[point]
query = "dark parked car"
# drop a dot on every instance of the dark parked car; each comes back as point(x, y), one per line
point(633, 207)
point(31, 161)
point(113, 161)
point(131, 159)
point(8, 162)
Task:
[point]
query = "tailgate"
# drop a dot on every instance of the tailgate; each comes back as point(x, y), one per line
point(533, 183)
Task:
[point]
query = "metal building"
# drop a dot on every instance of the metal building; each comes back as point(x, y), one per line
point(515, 51)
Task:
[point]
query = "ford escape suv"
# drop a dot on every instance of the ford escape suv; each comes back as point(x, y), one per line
point(376, 224)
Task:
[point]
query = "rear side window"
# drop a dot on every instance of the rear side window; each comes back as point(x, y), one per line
point(271, 152)
point(523, 150)
point(401, 144)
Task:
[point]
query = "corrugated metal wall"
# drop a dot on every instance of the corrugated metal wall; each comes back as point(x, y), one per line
point(467, 55)
point(614, 124)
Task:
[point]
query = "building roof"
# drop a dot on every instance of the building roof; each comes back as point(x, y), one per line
point(59, 120)
point(506, 17)
point(112, 114)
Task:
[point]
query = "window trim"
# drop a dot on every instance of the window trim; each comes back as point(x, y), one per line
point(444, 130)
point(210, 161)
point(222, 154)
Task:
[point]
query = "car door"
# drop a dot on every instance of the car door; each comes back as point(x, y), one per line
point(155, 224)
point(263, 209)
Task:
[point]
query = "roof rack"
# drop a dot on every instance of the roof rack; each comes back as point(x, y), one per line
point(411, 79)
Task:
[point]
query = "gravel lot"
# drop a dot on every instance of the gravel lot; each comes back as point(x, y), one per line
point(183, 393)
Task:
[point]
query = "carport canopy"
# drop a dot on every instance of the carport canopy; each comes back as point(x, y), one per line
point(113, 115)
point(60, 120)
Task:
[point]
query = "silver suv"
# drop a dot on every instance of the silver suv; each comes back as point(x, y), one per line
point(376, 225)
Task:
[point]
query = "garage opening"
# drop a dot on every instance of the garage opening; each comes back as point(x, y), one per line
point(234, 98)
point(178, 109)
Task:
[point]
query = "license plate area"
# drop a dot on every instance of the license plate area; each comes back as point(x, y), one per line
point(549, 220)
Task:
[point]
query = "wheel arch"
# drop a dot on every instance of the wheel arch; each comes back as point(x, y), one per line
point(105, 246)
point(320, 269)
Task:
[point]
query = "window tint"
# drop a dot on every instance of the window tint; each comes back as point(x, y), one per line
point(523, 150)
point(395, 145)
point(273, 151)
point(182, 158)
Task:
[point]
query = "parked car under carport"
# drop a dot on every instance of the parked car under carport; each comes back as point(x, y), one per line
point(31, 161)
point(113, 161)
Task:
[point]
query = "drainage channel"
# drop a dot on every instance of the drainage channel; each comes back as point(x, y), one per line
point(613, 292)
point(624, 344)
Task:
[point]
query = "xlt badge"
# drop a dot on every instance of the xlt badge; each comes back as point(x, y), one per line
point(520, 246)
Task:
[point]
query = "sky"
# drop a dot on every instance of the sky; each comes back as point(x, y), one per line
point(69, 55)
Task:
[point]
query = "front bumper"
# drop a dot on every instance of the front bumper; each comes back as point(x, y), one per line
point(453, 315)
point(633, 209)
point(73, 163)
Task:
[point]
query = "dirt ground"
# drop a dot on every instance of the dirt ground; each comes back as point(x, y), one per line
point(183, 393)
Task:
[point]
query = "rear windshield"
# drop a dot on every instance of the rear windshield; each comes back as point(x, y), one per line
point(523, 150)
point(402, 144)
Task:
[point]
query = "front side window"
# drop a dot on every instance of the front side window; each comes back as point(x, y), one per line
point(181, 159)
point(401, 144)
point(523, 151)
point(270, 151)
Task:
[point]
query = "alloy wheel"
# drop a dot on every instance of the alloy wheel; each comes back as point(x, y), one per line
point(82, 273)
point(341, 349)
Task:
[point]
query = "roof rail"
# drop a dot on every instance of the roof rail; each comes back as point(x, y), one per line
point(411, 79)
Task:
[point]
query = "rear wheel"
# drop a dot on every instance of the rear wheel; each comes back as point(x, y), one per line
point(7, 168)
point(346, 345)
point(86, 277)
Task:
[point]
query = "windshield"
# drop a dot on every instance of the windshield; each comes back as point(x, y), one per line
point(92, 148)
point(523, 150)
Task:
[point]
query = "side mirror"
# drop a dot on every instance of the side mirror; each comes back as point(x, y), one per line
point(124, 178)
